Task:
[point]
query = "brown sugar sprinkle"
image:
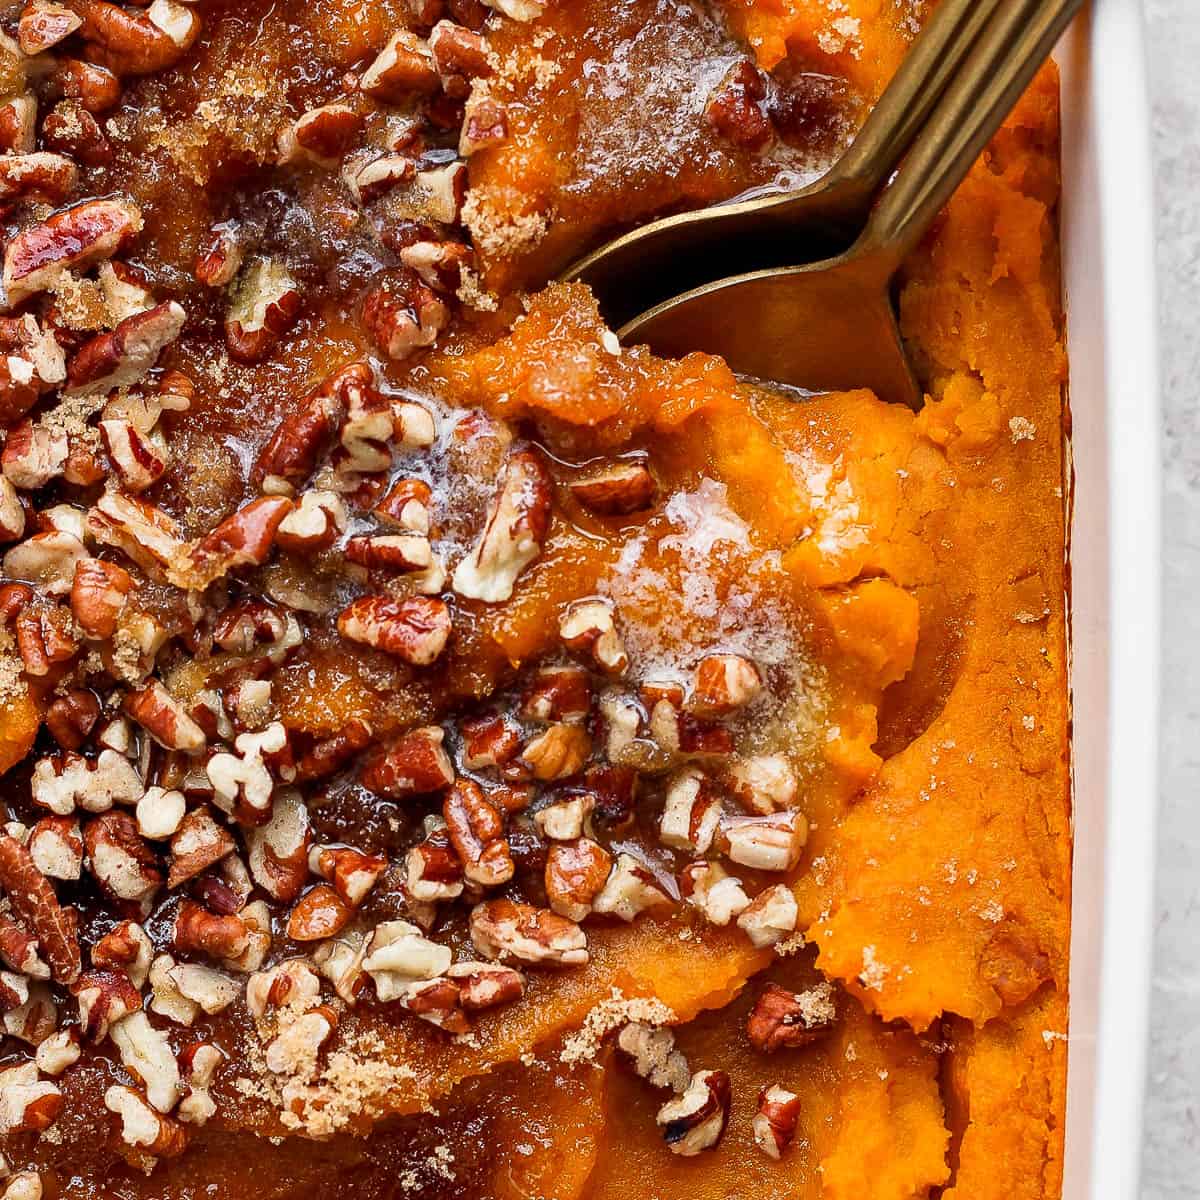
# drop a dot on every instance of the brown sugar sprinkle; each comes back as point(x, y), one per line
point(421, 715)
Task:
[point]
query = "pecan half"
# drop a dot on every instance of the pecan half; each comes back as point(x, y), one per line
point(137, 41)
point(123, 356)
point(476, 829)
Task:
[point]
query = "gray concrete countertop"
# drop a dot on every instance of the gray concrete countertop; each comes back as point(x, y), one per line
point(1171, 1165)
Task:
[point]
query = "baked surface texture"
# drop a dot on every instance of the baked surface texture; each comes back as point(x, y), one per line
point(446, 753)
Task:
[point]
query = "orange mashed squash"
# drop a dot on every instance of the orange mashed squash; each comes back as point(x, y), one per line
point(898, 578)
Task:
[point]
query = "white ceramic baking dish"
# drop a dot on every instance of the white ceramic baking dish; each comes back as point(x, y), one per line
point(1109, 256)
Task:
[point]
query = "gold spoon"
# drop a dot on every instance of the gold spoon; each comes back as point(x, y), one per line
point(631, 273)
point(830, 324)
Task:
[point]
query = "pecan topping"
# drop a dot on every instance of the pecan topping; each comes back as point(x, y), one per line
point(414, 630)
point(775, 1122)
point(76, 238)
point(415, 764)
point(575, 875)
point(695, 1121)
point(476, 829)
point(34, 901)
point(507, 928)
point(782, 1019)
point(515, 528)
point(623, 487)
point(265, 306)
point(137, 42)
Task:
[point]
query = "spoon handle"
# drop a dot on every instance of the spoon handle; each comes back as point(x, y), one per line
point(1001, 65)
point(904, 107)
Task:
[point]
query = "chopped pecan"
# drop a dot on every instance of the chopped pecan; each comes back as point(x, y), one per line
point(616, 489)
point(717, 894)
point(772, 843)
point(691, 812)
point(45, 639)
point(18, 124)
point(630, 890)
point(160, 813)
point(722, 684)
point(27, 1104)
point(437, 1001)
point(415, 764)
point(557, 752)
point(515, 528)
point(433, 870)
point(320, 136)
point(34, 902)
point(589, 627)
point(279, 848)
point(399, 956)
point(510, 929)
point(126, 947)
point(575, 875)
point(243, 782)
point(414, 629)
point(264, 306)
point(67, 781)
point(351, 872)
point(76, 238)
point(375, 178)
point(220, 259)
point(71, 130)
point(121, 862)
point(695, 1121)
point(145, 533)
point(142, 1127)
point(291, 452)
point(294, 1049)
point(486, 984)
point(485, 123)
point(33, 455)
point(95, 87)
point(785, 1020)
point(198, 931)
point(406, 506)
point(197, 844)
point(72, 716)
point(439, 264)
point(58, 1052)
point(404, 67)
point(771, 916)
point(763, 784)
point(314, 524)
point(774, 1124)
point(43, 175)
point(654, 1055)
point(459, 57)
point(165, 719)
point(19, 948)
point(476, 829)
point(390, 551)
point(198, 1064)
point(557, 694)
point(489, 742)
point(287, 985)
point(242, 540)
point(12, 513)
point(138, 459)
point(56, 846)
point(104, 998)
point(320, 913)
point(47, 560)
point(402, 314)
point(137, 42)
